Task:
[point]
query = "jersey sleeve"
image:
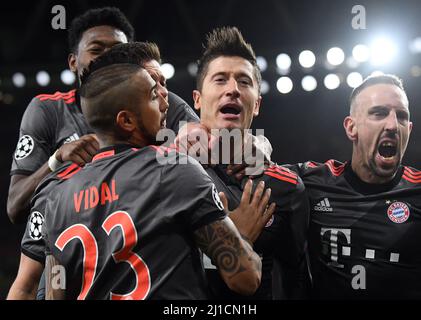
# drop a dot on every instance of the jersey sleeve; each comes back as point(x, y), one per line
point(36, 136)
point(33, 242)
point(191, 193)
point(289, 236)
point(179, 110)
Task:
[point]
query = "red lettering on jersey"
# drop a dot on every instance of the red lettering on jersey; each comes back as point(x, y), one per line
point(105, 193)
point(86, 199)
point(78, 200)
point(93, 197)
point(115, 196)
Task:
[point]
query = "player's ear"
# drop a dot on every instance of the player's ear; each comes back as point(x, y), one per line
point(126, 121)
point(197, 99)
point(350, 128)
point(71, 59)
point(256, 109)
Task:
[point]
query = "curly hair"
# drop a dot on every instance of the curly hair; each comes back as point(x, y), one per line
point(109, 16)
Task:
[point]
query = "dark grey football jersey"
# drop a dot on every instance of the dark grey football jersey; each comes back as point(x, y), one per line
point(122, 226)
point(282, 240)
point(364, 238)
point(51, 120)
point(48, 122)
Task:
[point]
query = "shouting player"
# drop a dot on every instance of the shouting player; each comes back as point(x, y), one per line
point(228, 97)
point(126, 226)
point(365, 213)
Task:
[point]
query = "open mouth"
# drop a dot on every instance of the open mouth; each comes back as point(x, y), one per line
point(231, 109)
point(387, 149)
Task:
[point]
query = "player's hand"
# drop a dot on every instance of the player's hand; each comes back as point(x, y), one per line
point(253, 213)
point(254, 162)
point(80, 151)
point(197, 135)
point(237, 170)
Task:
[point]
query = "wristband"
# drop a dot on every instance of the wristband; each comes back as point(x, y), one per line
point(53, 163)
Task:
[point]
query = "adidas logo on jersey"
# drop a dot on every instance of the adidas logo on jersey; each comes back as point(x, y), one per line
point(72, 138)
point(323, 205)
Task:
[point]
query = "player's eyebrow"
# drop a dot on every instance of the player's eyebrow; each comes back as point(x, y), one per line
point(236, 75)
point(102, 43)
point(378, 108)
point(220, 73)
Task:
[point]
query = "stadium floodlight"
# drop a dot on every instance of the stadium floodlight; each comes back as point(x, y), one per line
point(415, 45)
point(264, 87)
point(261, 63)
point(307, 59)
point(335, 56)
point(284, 85)
point(19, 79)
point(43, 78)
point(309, 83)
point(383, 50)
point(361, 53)
point(67, 77)
point(283, 62)
point(354, 79)
point(331, 81)
point(168, 70)
point(192, 68)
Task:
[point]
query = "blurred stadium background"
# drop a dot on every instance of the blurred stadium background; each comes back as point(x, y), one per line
point(310, 57)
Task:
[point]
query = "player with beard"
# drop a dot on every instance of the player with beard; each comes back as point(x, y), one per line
point(162, 210)
point(228, 97)
point(366, 213)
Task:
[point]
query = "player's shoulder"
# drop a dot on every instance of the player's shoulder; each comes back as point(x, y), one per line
point(175, 100)
point(281, 175)
point(49, 184)
point(171, 156)
point(172, 160)
point(55, 99)
point(411, 175)
point(64, 173)
point(331, 168)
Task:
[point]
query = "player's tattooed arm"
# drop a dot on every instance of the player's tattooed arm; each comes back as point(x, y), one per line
point(53, 288)
point(238, 264)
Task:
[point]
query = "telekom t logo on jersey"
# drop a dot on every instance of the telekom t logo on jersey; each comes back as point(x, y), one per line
point(333, 248)
point(333, 244)
point(359, 280)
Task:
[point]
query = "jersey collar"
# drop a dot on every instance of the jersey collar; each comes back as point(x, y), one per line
point(112, 150)
point(370, 188)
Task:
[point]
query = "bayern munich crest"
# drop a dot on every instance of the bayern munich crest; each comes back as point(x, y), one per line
point(398, 212)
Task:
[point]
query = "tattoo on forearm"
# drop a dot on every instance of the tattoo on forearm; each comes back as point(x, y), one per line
point(223, 247)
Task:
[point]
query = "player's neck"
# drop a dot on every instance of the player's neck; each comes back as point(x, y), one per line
point(108, 141)
point(365, 174)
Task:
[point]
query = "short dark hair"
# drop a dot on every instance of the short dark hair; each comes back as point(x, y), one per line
point(106, 92)
point(109, 16)
point(110, 76)
point(373, 80)
point(124, 53)
point(225, 41)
